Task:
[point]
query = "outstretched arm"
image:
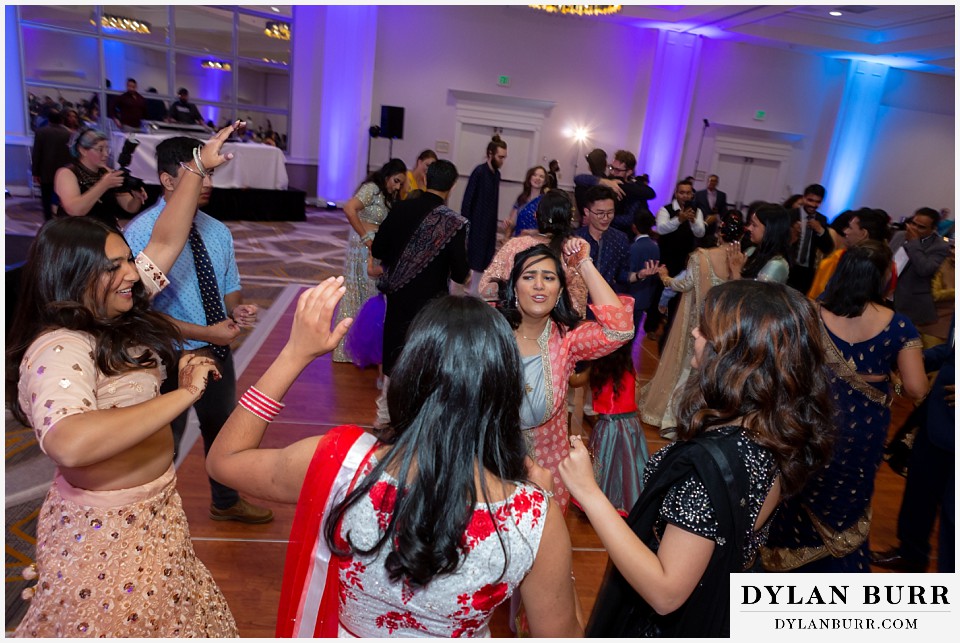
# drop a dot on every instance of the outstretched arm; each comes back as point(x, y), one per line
point(235, 458)
point(664, 579)
point(173, 225)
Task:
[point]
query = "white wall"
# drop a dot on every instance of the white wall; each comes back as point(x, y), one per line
point(599, 73)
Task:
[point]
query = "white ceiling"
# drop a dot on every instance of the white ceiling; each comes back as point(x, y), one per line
point(919, 37)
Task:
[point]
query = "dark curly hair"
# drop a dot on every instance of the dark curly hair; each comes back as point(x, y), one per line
point(763, 361)
point(379, 178)
point(555, 218)
point(454, 400)
point(65, 262)
point(563, 314)
point(860, 278)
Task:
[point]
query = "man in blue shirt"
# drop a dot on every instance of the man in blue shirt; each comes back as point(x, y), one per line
point(609, 247)
point(184, 303)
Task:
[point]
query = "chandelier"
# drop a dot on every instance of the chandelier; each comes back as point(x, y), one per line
point(278, 30)
point(579, 9)
point(123, 24)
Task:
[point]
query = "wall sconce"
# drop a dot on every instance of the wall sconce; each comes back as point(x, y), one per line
point(219, 65)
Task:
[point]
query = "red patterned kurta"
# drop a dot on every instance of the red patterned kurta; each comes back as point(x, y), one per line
point(588, 341)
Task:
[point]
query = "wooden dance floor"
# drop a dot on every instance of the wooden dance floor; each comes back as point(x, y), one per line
point(247, 560)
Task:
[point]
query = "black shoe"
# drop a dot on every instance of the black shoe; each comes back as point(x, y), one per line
point(892, 560)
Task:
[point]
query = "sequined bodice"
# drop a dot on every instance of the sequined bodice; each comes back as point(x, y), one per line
point(451, 605)
point(688, 506)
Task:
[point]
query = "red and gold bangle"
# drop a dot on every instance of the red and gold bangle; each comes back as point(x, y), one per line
point(263, 406)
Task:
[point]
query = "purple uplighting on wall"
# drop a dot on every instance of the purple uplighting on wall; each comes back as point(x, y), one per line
point(668, 110)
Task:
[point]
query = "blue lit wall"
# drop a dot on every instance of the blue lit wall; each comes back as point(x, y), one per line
point(852, 135)
point(668, 110)
point(14, 109)
point(349, 50)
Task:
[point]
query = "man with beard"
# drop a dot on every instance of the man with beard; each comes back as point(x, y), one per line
point(813, 236)
point(183, 111)
point(205, 302)
point(713, 203)
point(632, 193)
point(130, 108)
point(480, 204)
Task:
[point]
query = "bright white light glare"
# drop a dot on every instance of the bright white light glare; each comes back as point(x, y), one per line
point(567, 132)
point(580, 135)
point(836, 13)
point(274, 9)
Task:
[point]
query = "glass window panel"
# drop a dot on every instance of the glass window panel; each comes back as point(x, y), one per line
point(39, 98)
point(203, 79)
point(139, 22)
point(125, 60)
point(255, 43)
point(72, 17)
point(260, 123)
point(61, 58)
point(284, 10)
point(219, 114)
point(264, 86)
point(204, 28)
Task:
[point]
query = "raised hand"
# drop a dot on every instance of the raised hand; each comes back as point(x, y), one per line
point(575, 251)
point(649, 269)
point(311, 335)
point(735, 258)
point(576, 470)
point(195, 371)
point(210, 154)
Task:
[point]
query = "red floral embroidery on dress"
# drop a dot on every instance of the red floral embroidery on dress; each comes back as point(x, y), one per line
point(393, 621)
point(480, 528)
point(407, 591)
point(351, 575)
point(467, 628)
point(383, 496)
point(489, 596)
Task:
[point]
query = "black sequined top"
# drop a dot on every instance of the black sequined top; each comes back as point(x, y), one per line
point(687, 504)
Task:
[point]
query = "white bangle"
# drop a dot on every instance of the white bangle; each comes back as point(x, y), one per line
point(190, 169)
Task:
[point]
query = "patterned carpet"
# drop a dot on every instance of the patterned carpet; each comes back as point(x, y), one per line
point(271, 256)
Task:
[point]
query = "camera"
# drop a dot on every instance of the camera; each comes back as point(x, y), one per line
point(130, 182)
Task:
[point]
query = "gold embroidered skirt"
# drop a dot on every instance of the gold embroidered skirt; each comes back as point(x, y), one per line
point(120, 563)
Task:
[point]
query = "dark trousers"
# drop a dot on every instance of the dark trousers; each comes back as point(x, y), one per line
point(48, 199)
point(930, 485)
point(213, 409)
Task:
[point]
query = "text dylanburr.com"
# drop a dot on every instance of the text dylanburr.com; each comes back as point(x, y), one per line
point(844, 607)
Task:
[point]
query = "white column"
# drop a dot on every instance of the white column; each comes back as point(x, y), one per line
point(306, 83)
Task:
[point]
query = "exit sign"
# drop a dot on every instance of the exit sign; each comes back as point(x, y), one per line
point(760, 114)
point(503, 81)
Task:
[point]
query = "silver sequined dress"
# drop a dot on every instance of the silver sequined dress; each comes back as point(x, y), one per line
point(360, 287)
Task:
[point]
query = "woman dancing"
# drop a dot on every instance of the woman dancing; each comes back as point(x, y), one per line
point(552, 339)
point(365, 212)
point(754, 423)
point(826, 528)
point(88, 187)
point(424, 527)
point(706, 268)
point(523, 216)
point(554, 226)
point(768, 260)
point(85, 360)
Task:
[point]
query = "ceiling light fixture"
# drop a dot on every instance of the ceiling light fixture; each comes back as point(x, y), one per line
point(836, 14)
point(278, 30)
point(579, 9)
point(219, 65)
point(119, 23)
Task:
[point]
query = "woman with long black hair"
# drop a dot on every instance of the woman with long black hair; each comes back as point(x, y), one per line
point(365, 212)
point(768, 260)
point(421, 528)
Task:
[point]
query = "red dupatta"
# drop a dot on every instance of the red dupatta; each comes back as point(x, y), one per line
point(309, 595)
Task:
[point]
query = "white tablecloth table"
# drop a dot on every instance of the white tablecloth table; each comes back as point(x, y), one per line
point(254, 165)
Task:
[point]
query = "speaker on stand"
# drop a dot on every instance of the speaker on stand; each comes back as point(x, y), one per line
point(391, 124)
point(374, 133)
